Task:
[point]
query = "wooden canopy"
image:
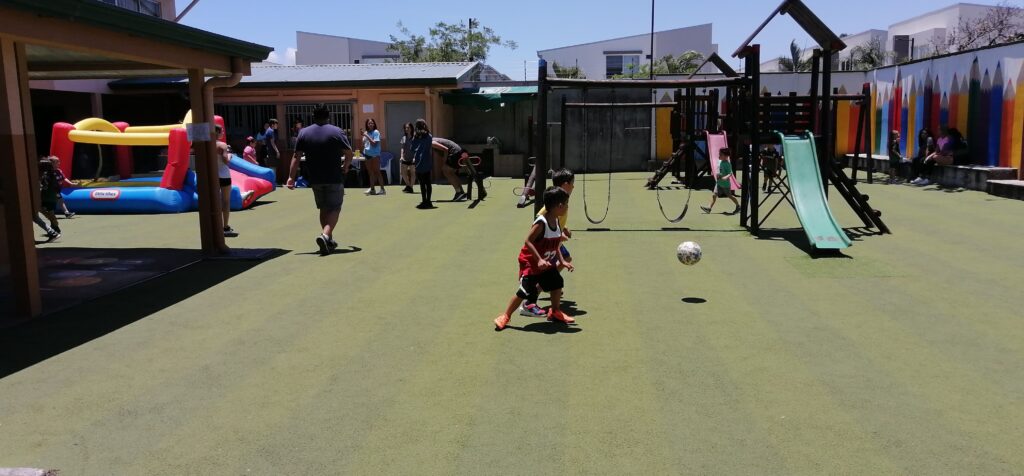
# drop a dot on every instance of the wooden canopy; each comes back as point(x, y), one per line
point(826, 38)
point(82, 39)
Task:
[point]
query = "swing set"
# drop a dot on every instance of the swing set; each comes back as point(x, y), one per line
point(802, 179)
point(687, 112)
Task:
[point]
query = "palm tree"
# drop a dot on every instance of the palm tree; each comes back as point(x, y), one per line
point(794, 63)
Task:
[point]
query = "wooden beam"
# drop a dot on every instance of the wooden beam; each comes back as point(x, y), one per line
point(27, 28)
point(211, 228)
point(16, 179)
point(61, 66)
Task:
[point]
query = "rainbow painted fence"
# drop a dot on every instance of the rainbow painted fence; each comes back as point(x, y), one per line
point(975, 92)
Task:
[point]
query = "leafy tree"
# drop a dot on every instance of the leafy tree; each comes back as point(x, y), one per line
point(570, 72)
point(795, 62)
point(1000, 24)
point(448, 42)
point(868, 56)
point(685, 63)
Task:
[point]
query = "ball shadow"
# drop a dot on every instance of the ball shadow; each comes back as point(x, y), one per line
point(694, 300)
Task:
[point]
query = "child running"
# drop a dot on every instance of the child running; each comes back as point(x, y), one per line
point(565, 180)
point(539, 260)
point(49, 191)
point(723, 182)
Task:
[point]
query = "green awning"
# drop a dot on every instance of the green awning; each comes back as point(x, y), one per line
point(487, 98)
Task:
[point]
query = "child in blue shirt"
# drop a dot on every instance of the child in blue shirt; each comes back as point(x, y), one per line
point(422, 146)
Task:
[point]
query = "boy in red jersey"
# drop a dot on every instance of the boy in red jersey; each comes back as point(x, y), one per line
point(539, 259)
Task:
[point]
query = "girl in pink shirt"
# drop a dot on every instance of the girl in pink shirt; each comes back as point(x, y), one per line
point(250, 150)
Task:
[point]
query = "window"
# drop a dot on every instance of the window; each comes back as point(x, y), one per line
point(341, 116)
point(147, 7)
point(244, 120)
point(621, 64)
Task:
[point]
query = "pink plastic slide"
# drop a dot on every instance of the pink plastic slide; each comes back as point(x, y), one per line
point(715, 143)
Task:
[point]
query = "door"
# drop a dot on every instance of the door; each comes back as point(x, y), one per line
point(396, 114)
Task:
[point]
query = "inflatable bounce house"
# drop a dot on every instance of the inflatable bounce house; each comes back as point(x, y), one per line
point(172, 192)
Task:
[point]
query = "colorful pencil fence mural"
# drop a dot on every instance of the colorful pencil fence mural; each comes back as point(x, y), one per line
point(977, 93)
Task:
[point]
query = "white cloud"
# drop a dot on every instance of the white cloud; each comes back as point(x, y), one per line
point(288, 58)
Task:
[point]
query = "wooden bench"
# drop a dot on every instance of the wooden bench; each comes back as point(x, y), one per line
point(972, 177)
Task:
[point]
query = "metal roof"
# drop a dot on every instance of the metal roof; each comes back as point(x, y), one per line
point(329, 73)
point(380, 74)
point(126, 21)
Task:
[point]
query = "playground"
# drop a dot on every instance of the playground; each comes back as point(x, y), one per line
point(899, 356)
point(835, 324)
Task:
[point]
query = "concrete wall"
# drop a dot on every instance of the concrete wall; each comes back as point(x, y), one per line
point(599, 139)
point(314, 48)
point(591, 56)
point(438, 115)
point(509, 124)
point(364, 50)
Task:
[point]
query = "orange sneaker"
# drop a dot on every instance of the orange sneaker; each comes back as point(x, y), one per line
point(501, 321)
point(554, 315)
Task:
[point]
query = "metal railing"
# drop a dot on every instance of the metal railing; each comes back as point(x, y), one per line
point(341, 115)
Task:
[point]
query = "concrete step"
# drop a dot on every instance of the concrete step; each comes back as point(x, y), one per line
point(972, 177)
point(1007, 188)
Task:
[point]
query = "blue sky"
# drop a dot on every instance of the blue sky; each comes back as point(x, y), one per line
point(539, 24)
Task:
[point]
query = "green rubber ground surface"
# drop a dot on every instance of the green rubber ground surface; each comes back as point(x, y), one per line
point(905, 356)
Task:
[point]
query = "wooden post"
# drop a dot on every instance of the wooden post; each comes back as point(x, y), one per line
point(865, 103)
point(713, 112)
point(541, 181)
point(561, 136)
point(677, 134)
point(870, 138)
point(211, 227)
point(827, 151)
point(691, 135)
point(791, 113)
point(751, 170)
point(16, 146)
point(815, 77)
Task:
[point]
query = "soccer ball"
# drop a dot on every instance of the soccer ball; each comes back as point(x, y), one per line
point(688, 253)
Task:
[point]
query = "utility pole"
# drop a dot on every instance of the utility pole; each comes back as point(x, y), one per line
point(651, 74)
point(469, 41)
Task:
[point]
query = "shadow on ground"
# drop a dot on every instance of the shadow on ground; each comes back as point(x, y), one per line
point(340, 251)
point(547, 327)
point(568, 307)
point(798, 238)
point(36, 340)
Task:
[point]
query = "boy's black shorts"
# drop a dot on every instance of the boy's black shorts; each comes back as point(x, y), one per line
point(548, 281)
point(453, 160)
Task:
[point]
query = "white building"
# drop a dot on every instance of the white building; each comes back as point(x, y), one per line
point(316, 48)
point(918, 36)
point(606, 58)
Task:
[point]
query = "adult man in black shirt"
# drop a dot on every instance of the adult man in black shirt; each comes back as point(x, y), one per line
point(323, 145)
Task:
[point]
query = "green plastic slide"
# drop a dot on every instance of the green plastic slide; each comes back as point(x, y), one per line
point(809, 194)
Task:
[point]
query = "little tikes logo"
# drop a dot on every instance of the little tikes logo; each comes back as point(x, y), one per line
point(105, 194)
